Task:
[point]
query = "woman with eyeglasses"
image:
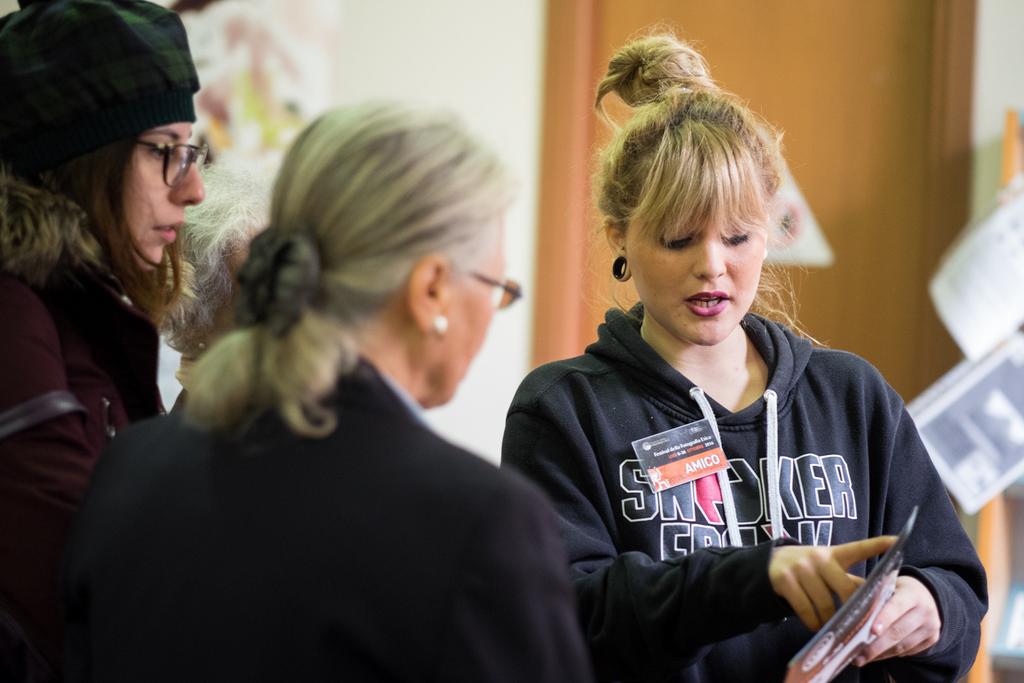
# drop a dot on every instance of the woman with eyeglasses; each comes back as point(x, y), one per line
point(299, 521)
point(96, 170)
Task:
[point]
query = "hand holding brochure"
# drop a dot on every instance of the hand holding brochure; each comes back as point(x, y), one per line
point(846, 634)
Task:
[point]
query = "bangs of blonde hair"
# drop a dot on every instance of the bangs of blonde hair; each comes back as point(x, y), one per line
point(697, 177)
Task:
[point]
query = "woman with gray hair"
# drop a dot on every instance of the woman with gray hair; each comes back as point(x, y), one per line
point(214, 245)
point(299, 521)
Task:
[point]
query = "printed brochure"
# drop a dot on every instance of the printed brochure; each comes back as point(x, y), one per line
point(840, 640)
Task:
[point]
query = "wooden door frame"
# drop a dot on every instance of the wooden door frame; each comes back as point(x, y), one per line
point(949, 162)
point(561, 323)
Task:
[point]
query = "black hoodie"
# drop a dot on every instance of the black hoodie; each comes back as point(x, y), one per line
point(662, 596)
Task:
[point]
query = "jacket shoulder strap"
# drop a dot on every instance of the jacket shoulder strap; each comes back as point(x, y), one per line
point(36, 410)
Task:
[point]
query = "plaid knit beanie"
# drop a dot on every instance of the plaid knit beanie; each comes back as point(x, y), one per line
point(79, 74)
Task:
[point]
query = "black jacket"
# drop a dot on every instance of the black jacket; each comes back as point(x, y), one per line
point(379, 553)
point(654, 602)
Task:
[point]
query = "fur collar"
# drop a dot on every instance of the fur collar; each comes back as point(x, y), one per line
point(43, 234)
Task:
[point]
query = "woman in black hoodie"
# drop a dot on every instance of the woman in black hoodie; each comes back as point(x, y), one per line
point(696, 579)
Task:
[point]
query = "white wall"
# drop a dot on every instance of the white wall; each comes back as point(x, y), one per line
point(998, 85)
point(484, 61)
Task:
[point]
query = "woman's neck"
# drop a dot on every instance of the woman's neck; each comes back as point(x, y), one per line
point(732, 372)
point(391, 347)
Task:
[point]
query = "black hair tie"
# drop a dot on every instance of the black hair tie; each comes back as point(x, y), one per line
point(278, 281)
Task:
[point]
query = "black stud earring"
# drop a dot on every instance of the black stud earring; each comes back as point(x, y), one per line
point(620, 269)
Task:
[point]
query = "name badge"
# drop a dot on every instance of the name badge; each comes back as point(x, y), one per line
point(680, 455)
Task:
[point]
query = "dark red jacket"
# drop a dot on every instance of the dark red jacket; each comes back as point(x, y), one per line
point(65, 327)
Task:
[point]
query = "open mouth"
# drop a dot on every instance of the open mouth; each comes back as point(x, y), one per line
point(707, 303)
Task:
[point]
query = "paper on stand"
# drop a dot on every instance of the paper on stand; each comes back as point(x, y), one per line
point(979, 288)
point(972, 423)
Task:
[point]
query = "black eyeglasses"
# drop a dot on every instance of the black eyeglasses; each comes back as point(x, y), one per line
point(178, 157)
point(505, 293)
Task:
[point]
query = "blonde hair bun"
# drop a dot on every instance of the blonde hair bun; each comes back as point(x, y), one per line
point(688, 154)
point(644, 69)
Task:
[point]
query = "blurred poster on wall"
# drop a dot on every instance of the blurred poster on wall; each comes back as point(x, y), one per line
point(972, 423)
point(797, 239)
point(266, 67)
point(978, 290)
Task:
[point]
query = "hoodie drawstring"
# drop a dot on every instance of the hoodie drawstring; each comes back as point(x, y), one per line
point(772, 485)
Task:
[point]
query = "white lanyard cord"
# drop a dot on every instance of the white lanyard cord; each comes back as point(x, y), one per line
point(731, 523)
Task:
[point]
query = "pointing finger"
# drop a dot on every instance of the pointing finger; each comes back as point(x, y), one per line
point(849, 554)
